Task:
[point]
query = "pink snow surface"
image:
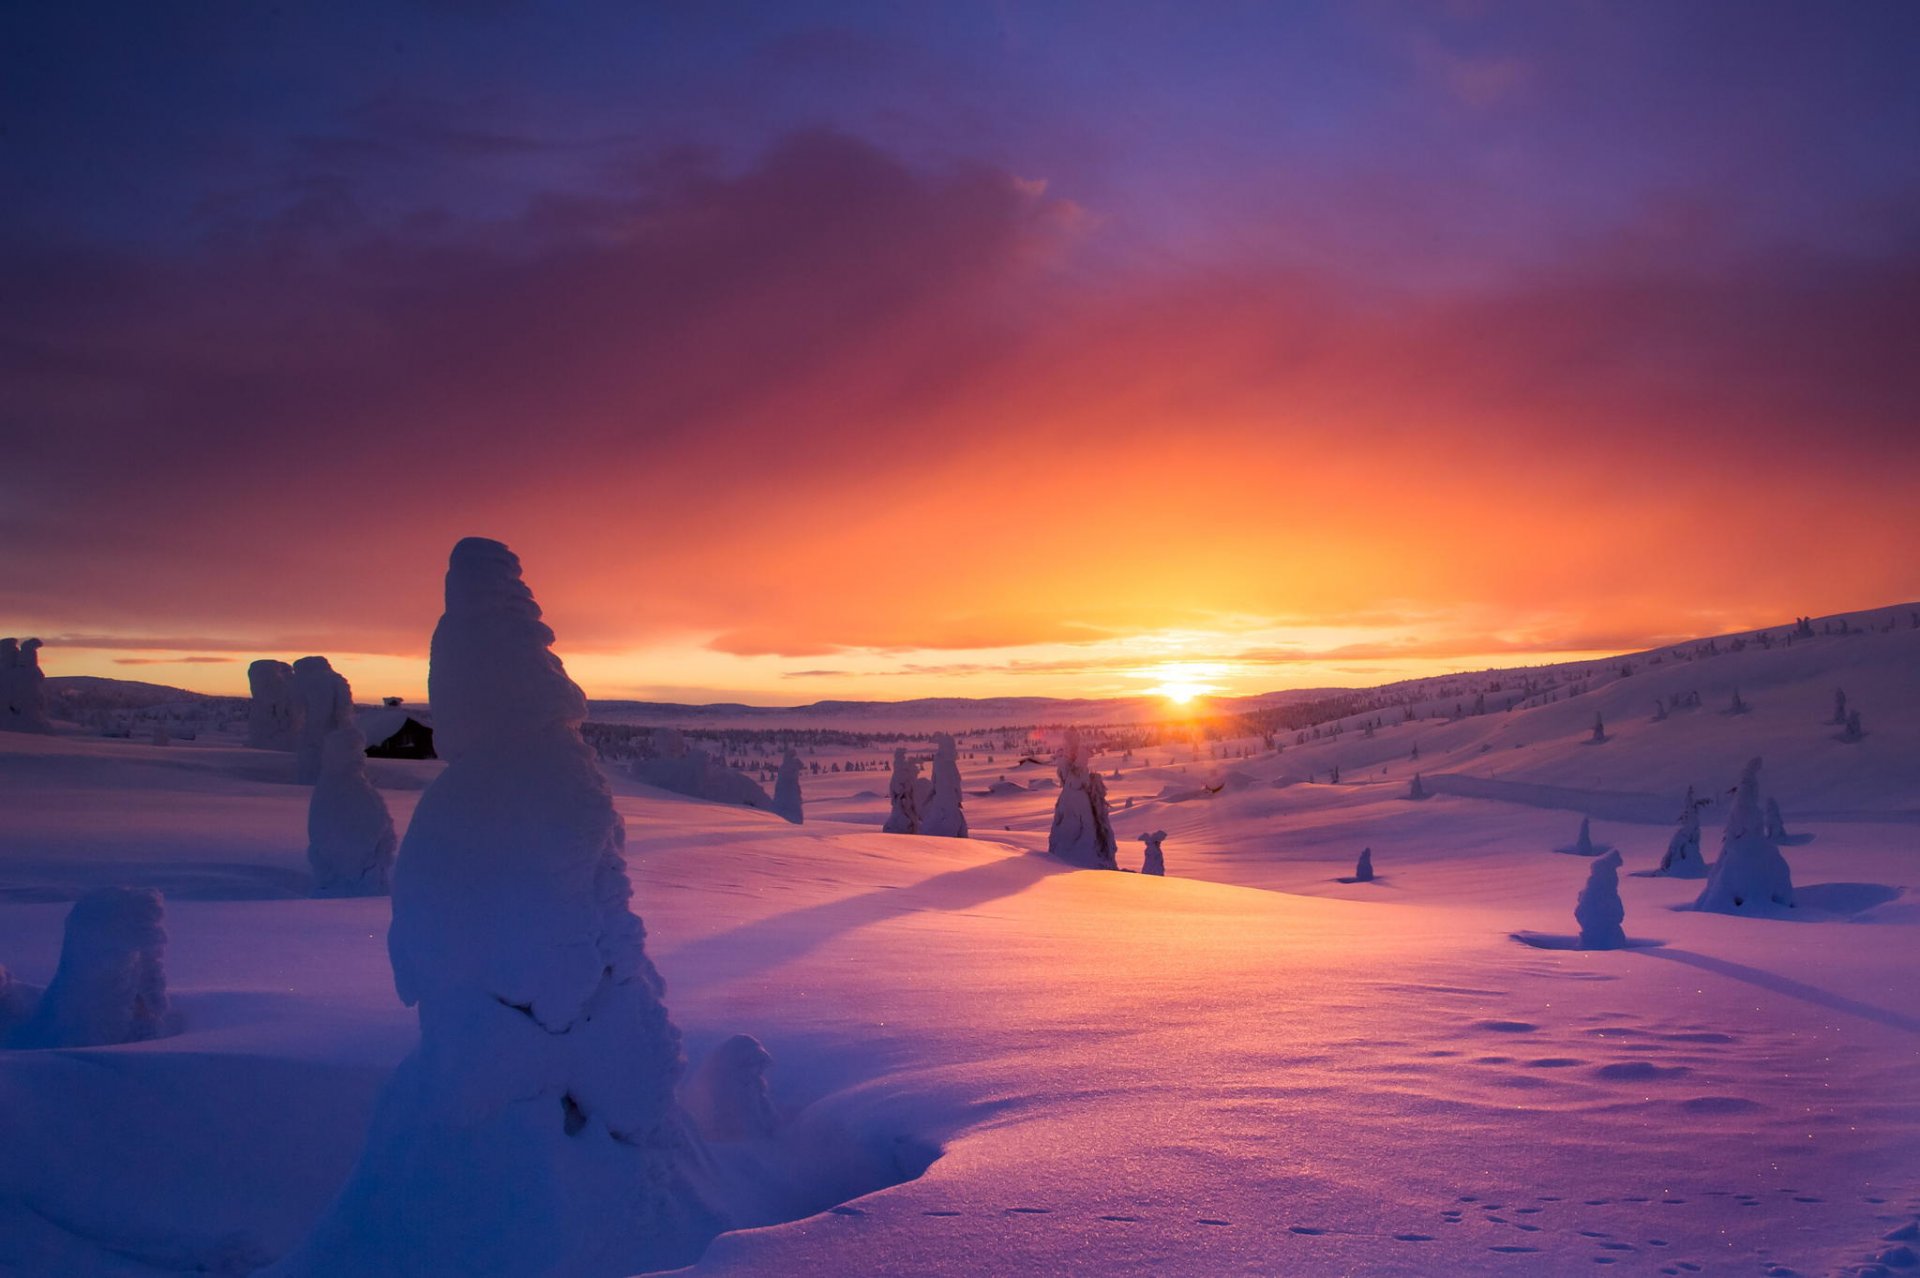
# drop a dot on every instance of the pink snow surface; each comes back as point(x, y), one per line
point(1250, 1068)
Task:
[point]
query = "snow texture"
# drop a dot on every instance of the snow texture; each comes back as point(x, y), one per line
point(1598, 910)
point(1154, 861)
point(727, 1096)
point(1082, 831)
point(1751, 876)
point(786, 789)
point(111, 985)
point(273, 716)
point(942, 814)
point(534, 1129)
point(23, 687)
point(904, 792)
point(323, 702)
point(1682, 859)
point(350, 841)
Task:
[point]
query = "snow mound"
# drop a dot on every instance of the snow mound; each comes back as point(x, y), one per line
point(1155, 861)
point(699, 775)
point(727, 1095)
point(111, 985)
point(350, 841)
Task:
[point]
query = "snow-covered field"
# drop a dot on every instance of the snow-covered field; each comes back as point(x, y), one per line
point(988, 1062)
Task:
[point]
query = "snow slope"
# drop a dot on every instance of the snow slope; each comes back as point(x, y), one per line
point(1251, 1067)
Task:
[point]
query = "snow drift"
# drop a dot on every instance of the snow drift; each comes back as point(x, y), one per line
point(111, 985)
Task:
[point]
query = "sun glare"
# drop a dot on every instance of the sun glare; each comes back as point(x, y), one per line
point(1180, 682)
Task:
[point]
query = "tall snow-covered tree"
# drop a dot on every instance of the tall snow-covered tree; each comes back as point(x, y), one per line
point(1082, 829)
point(903, 789)
point(943, 813)
point(1750, 874)
point(786, 789)
point(534, 1129)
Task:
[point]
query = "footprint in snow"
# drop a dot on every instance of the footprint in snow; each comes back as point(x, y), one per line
point(1506, 1027)
point(939, 1213)
point(1126, 1220)
point(1207, 1221)
point(1030, 1211)
point(1413, 1237)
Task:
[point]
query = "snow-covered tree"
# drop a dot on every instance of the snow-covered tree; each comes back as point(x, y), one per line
point(1598, 910)
point(904, 791)
point(324, 703)
point(1599, 729)
point(111, 985)
point(23, 687)
point(1584, 844)
point(1416, 789)
point(1776, 825)
point(1363, 868)
point(942, 814)
point(350, 841)
point(1082, 830)
point(727, 1095)
point(272, 714)
point(1854, 731)
point(1750, 874)
point(1682, 859)
point(1839, 707)
point(786, 789)
point(535, 1128)
point(1153, 859)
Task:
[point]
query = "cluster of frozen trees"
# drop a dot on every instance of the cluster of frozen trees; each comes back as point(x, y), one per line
point(23, 687)
point(927, 805)
point(535, 1129)
point(111, 984)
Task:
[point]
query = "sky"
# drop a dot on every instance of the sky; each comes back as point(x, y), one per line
point(888, 350)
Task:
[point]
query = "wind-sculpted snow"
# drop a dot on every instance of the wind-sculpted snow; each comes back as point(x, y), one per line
point(350, 841)
point(942, 812)
point(111, 986)
point(273, 714)
point(323, 703)
point(23, 687)
point(534, 1129)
